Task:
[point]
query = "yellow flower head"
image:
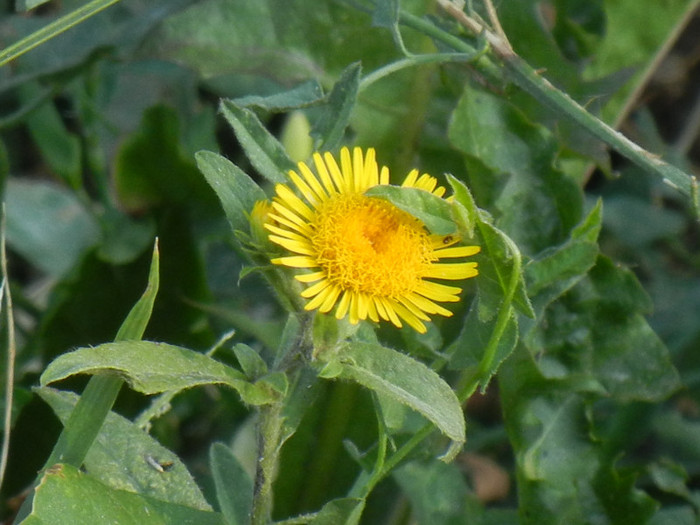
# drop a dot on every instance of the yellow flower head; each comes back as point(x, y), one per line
point(364, 254)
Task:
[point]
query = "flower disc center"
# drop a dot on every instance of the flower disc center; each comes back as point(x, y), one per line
point(369, 245)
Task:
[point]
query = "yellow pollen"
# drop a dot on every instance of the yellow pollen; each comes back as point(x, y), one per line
point(368, 245)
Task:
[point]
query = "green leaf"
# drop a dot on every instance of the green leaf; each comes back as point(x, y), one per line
point(596, 336)
point(124, 457)
point(564, 475)
point(341, 511)
point(467, 351)
point(60, 149)
point(386, 14)
point(538, 205)
point(236, 190)
point(262, 149)
point(497, 259)
point(252, 364)
point(299, 96)
point(436, 491)
point(234, 488)
point(405, 380)
point(151, 368)
point(66, 496)
point(48, 226)
point(330, 127)
point(433, 211)
point(134, 325)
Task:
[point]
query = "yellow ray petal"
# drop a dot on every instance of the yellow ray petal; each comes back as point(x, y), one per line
point(438, 292)
point(457, 251)
point(390, 311)
point(304, 188)
point(411, 307)
point(300, 247)
point(410, 180)
point(299, 261)
point(384, 175)
point(294, 202)
point(316, 289)
point(452, 271)
point(310, 277)
point(322, 170)
point(312, 181)
point(371, 170)
point(427, 305)
point(319, 299)
point(408, 316)
point(343, 305)
point(346, 169)
point(330, 301)
point(335, 173)
point(285, 233)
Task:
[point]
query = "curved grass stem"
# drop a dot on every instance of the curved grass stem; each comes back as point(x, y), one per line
point(53, 29)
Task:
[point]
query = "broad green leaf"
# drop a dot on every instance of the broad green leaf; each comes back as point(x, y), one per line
point(596, 336)
point(563, 473)
point(66, 496)
point(151, 368)
point(236, 190)
point(433, 211)
point(234, 488)
point(537, 205)
point(436, 491)
point(341, 511)
point(330, 127)
point(48, 225)
point(300, 96)
point(124, 457)
point(403, 379)
point(263, 150)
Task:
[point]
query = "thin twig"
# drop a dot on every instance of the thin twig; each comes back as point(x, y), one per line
point(495, 22)
point(11, 351)
point(539, 87)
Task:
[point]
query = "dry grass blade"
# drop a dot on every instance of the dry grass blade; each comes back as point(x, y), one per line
point(11, 351)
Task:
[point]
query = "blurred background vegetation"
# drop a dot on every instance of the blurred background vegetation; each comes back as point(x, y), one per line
point(98, 130)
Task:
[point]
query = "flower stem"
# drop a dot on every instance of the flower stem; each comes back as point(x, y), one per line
point(269, 437)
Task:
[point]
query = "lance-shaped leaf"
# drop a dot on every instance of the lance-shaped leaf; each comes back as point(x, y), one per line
point(330, 127)
point(403, 379)
point(262, 149)
point(151, 368)
point(235, 189)
point(300, 96)
point(234, 488)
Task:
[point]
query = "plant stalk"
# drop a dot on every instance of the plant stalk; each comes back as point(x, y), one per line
point(269, 437)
